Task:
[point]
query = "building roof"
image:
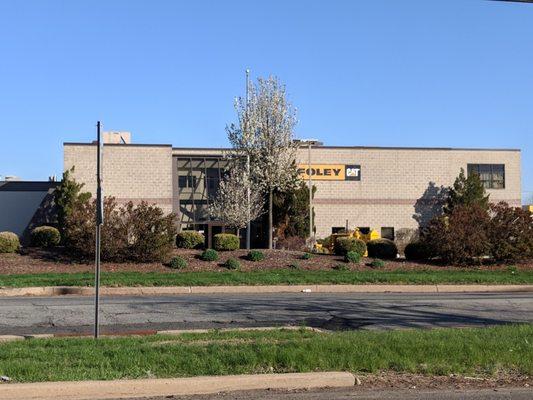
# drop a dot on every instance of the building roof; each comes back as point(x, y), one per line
point(27, 186)
point(363, 148)
point(315, 147)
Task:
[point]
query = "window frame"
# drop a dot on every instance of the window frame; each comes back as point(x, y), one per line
point(493, 182)
point(393, 232)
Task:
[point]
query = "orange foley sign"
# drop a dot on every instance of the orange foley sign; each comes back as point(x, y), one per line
point(330, 172)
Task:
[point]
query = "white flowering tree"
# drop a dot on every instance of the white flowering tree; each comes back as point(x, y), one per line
point(265, 133)
point(230, 204)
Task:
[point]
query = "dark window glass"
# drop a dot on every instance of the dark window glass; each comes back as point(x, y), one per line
point(365, 230)
point(187, 181)
point(387, 233)
point(492, 176)
point(338, 229)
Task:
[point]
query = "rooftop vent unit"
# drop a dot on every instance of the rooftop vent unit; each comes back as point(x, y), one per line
point(116, 137)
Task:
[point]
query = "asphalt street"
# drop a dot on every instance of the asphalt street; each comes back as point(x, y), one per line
point(73, 314)
point(354, 393)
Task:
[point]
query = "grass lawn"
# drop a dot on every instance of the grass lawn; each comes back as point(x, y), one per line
point(480, 351)
point(271, 277)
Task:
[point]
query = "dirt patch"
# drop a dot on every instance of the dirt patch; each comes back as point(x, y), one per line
point(392, 380)
point(45, 261)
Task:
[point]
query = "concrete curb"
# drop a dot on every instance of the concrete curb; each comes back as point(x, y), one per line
point(185, 290)
point(170, 332)
point(138, 388)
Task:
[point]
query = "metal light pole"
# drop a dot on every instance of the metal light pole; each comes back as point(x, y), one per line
point(248, 225)
point(99, 222)
point(311, 231)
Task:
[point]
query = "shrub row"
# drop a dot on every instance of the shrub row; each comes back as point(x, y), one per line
point(141, 233)
point(470, 232)
point(378, 248)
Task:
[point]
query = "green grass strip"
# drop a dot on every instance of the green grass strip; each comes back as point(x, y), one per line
point(271, 277)
point(479, 351)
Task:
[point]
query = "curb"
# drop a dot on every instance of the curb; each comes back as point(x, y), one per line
point(120, 389)
point(170, 332)
point(247, 289)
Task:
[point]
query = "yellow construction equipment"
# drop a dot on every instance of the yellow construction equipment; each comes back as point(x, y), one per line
point(356, 233)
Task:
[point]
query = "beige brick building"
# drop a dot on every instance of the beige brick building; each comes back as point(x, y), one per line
point(392, 190)
point(130, 171)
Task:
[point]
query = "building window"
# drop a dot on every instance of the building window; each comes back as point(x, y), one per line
point(338, 229)
point(492, 176)
point(387, 233)
point(187, 181)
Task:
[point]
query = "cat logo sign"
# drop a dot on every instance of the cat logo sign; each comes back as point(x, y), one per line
point(330, 172)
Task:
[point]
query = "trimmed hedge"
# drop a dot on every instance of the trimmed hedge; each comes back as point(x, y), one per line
point(45, 236)
point(382, 248)
point(232, 263)
point(352, 257)
point(190, 240)
point(209, 255)
point(255, 255)
point(345, 244)
point(177, 262)
point(9, 242)
point(377, 264)
point(226, 242)
point(417, 251)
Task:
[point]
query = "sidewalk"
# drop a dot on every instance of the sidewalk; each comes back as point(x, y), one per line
point(186, 290)
point(138, 388)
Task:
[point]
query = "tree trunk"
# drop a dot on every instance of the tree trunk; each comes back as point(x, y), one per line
point(270, 218)
point(239, 236)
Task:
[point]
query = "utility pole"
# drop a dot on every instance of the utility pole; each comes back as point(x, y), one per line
point(248, 225)
point(99, 222)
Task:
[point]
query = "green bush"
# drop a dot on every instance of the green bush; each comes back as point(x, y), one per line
point(190, 240)
point(209, 255)
point(255, 255)
point(226, 242)
point(138, 233)
point(382, 248)
point(341, 267)
point(306, 256)
point(345, 244)
point(417, 251)
point(45, 236)
point(377, 264)
point(177, 262)
point(352, 257)
point(9, 242)
point(232, 263)
point(294, 265)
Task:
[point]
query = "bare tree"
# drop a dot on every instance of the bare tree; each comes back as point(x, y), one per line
point(264, 132)
point(230, 204)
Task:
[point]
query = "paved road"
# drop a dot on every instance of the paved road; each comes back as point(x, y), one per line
point(72, 314)
point(354, 394)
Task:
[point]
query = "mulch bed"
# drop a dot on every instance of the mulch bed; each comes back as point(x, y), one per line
point(33, 260)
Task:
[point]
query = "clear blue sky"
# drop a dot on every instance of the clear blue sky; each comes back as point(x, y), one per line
point(453, 73)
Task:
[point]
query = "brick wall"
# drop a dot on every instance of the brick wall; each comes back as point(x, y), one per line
point(130, 172)
point(393, 180)
point(393, 189)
